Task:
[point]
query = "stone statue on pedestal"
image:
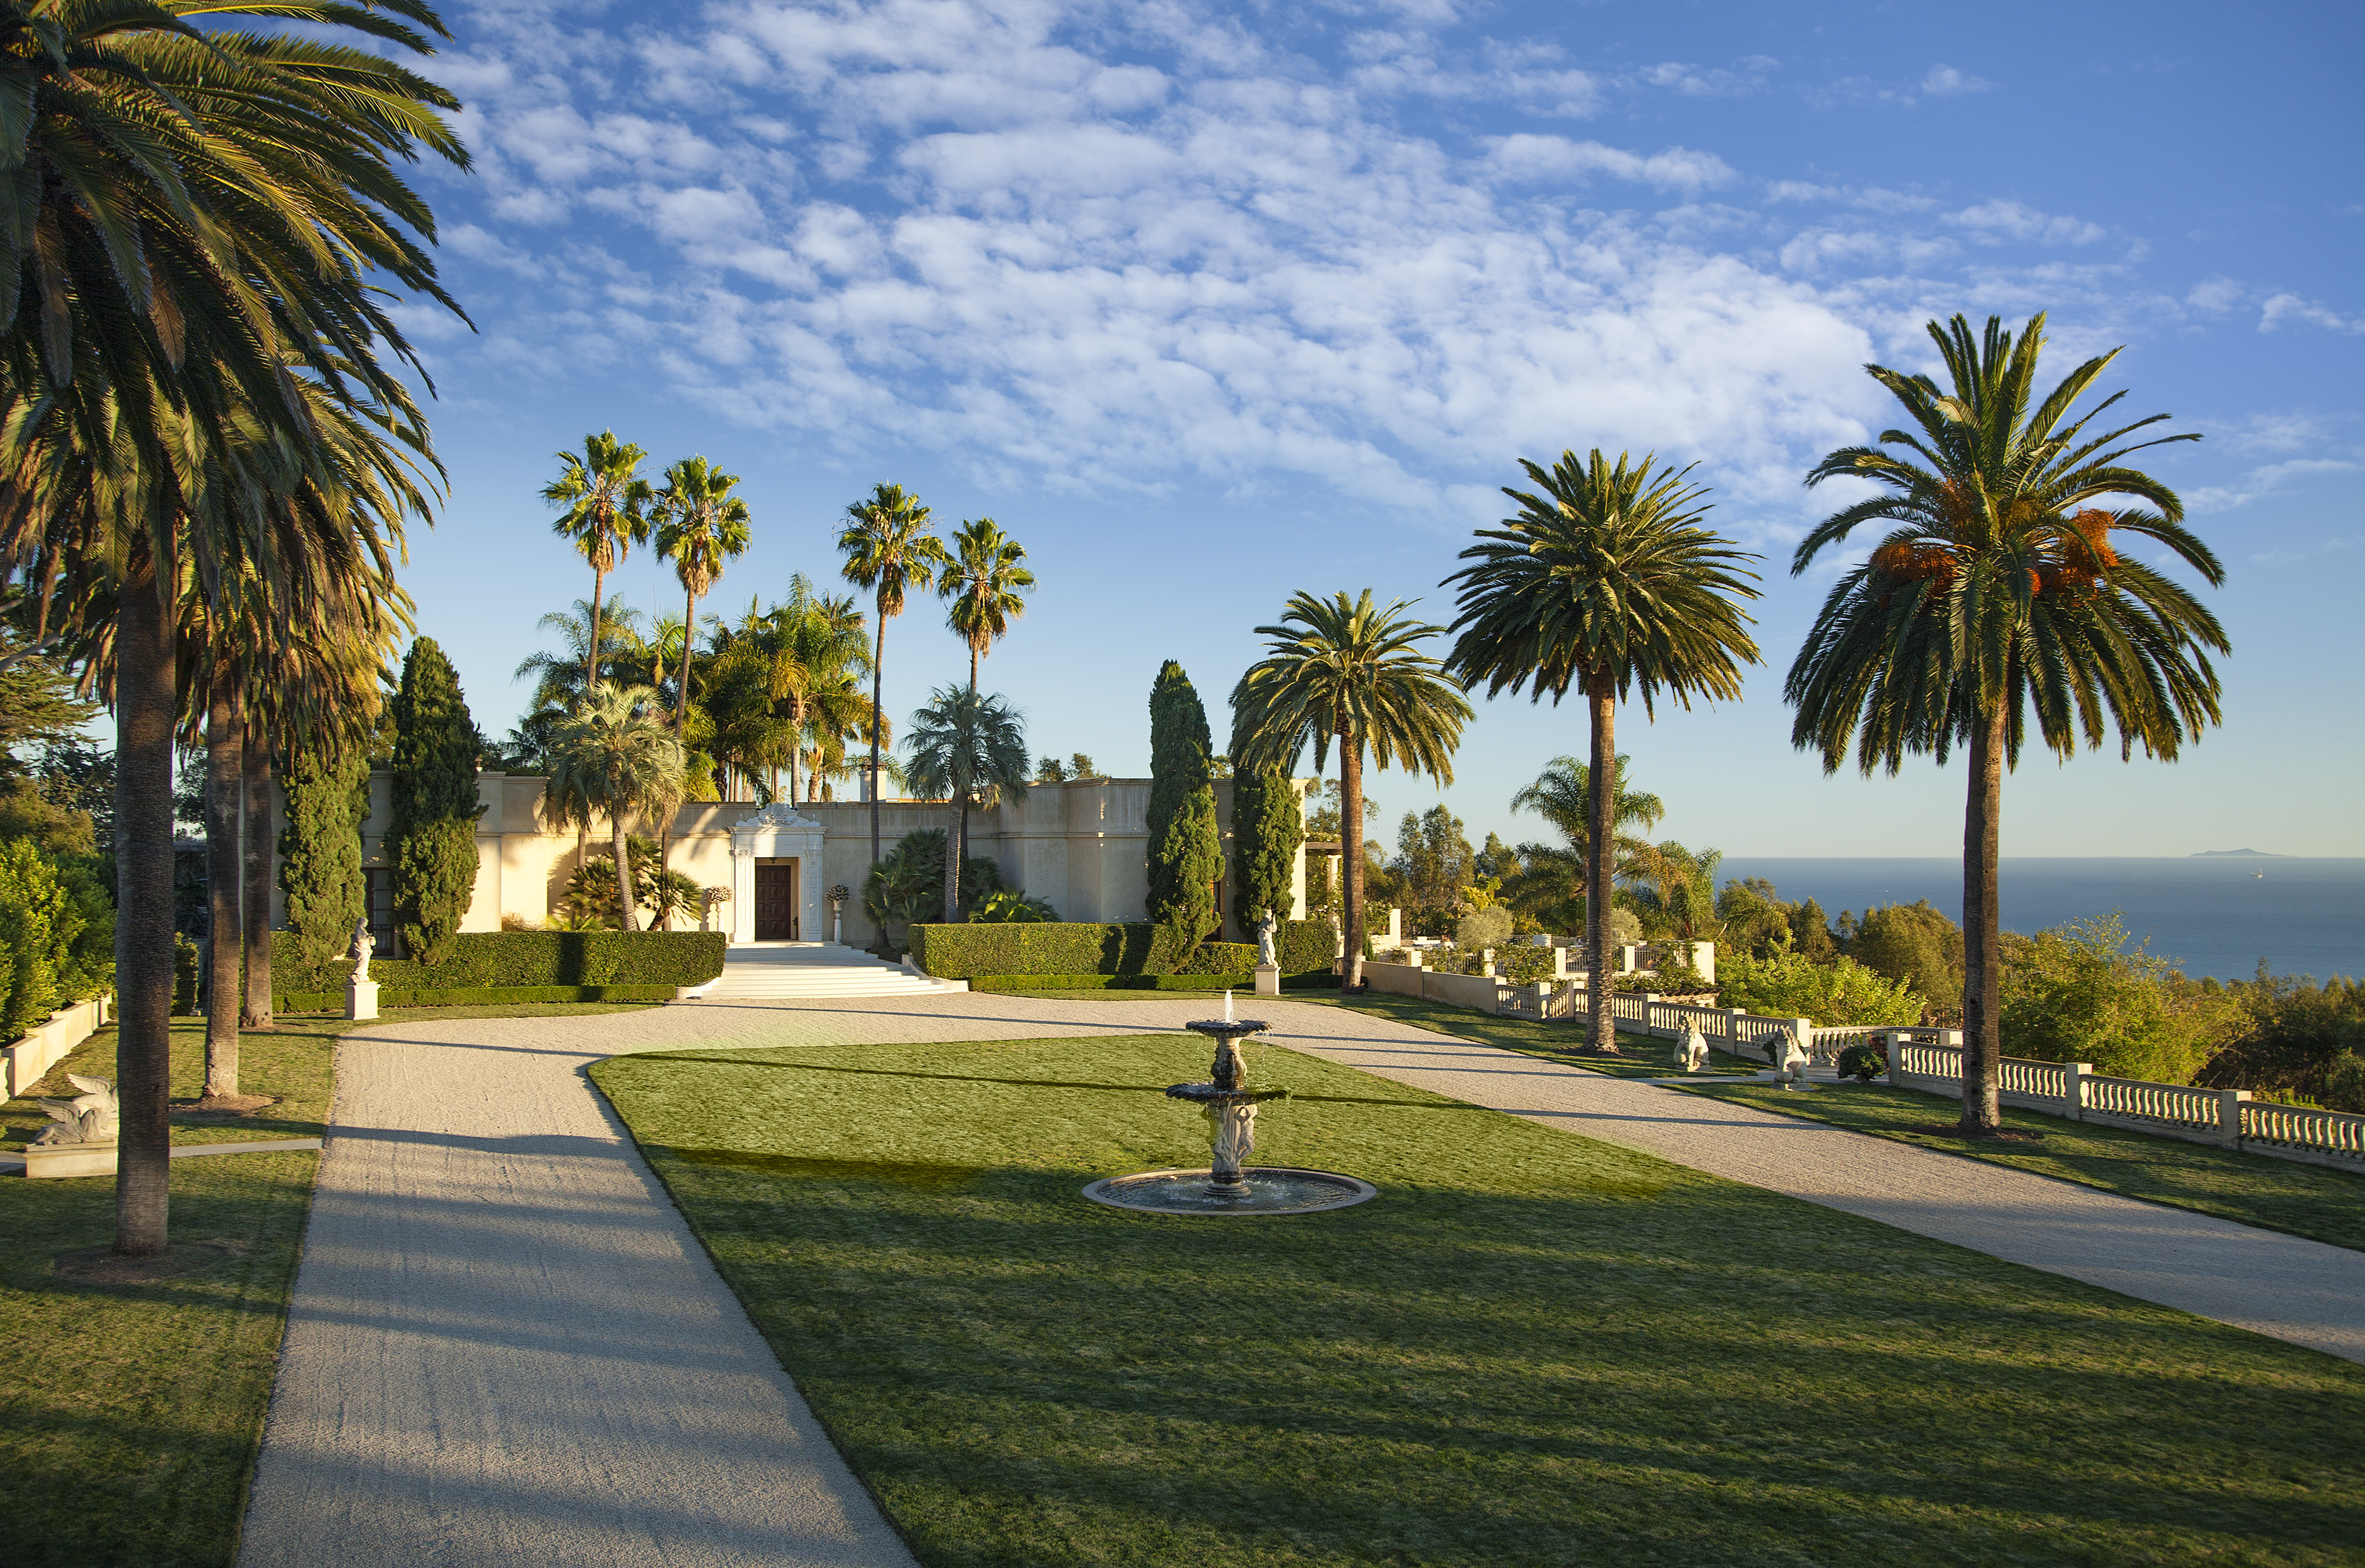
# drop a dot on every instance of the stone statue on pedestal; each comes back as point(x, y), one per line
point(1693, 1048)
point(361, 947)
point(88, 1117)
point(1265, 929)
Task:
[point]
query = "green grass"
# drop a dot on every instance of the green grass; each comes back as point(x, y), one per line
point(2313, 1201)
point(1530, 1348)
point(1560, 1040)
point(129, 1415)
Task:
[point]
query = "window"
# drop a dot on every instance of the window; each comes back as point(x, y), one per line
point(384, 941)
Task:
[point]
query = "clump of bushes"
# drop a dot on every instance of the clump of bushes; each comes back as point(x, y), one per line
point(1067, 948)
point(488, 959)
point(2081, 992)
point(1791, 985)
point(56, 937)
point(1863, 1062)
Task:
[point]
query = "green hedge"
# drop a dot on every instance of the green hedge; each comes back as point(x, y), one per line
point(472, 996)
point(1021, 984)
point(1089, 947)
point(505, 959)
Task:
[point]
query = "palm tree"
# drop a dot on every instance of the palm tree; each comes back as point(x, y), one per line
point(607, 513)
point(1563, 795)
point(180, 278)
point(1605, 581)
point(988, 588)
point(615, 757)
point(558, 676)
point(1997, 594)
point(700, 525)
point(962, 745)
point(888, 549)
point(1349, 670)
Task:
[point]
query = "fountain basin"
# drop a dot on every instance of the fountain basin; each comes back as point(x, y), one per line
point(1266, 1190)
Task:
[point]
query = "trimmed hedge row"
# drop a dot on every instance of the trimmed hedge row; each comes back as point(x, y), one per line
point(1069, 948)
point(507, 959)
point(1022, 984)
point(472, 996)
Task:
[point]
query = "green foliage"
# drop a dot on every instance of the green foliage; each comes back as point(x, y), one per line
point(327, 790)
point(1221, 959)
point(1007, 907)
point(184, 976)
point(1755, 920)
point(1916, 944)
point(1810, 933)
point(1674, 893)
point(2078, 993)
point(27, 814)
point(1525, 963)
point(38, 921)
point(1267, 825)
point(1483, 928)
point(1863, 1062)
point(1306, 946)
point(471, 996)
point(908, 882)
point(2344, 1082)
point(507, 959)
point(1672, 977)
point(589, 900)
point(432, 838)
point(1790, 985)
point(1185, 854)
point(1027, 984)
point(2297, 1031)
point(1085, 947)
point(1432, 867)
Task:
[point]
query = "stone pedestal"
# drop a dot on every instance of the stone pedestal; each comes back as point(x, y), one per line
point(1267, 979)
point(361, 998)
point(70, 1159)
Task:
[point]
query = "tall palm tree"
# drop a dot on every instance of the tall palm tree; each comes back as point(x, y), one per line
point(701, 524)
point(889, 550)
point(987, 585)
point(607, 513)
point(1604, 581)
point(177, 276)
point(1998, 595)
point(962, 745)
point(615, 757)
point(1349, 670)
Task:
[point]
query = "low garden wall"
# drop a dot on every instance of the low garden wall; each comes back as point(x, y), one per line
point(492, 967)
point(27, 1061)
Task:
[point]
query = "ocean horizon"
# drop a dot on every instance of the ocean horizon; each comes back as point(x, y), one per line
point(2214, 915)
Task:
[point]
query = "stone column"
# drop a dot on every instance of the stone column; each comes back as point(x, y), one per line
point(361, 998)
point(2229, 1117)
point(2073, 1088)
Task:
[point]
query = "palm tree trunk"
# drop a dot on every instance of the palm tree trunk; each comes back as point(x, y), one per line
point(878, 712)
point(255, 1012)
point(1351, 846)
point(1600, 880)
point(681, 698)
point(796, 735)
point(956, 847)
point(225, 771)
point(591, 656)
point(144, 707)
point(623, 872)
point(1982, 922)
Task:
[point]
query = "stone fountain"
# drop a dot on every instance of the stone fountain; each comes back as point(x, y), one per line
point(1230, 1184)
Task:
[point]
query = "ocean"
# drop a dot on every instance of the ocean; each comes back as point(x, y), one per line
point(2213, 916)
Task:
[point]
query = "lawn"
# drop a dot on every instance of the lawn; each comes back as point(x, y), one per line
point(1532, 1348)
point(2313, 1201)
point(1561, 1040)
point(129, 1413)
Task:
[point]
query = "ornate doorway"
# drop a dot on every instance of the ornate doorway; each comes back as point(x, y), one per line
point(776, 901)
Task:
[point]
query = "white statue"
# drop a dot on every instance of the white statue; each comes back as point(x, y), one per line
point(362, 945)
point(1791, 1060)
point(88, 1117)
point(1693, 1048)
point(1234, 1129)
point(1265, 929)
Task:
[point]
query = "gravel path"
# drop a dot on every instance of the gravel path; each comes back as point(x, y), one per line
point(505, 1347)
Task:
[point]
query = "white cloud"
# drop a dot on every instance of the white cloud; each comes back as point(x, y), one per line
point(1945, 81)
point(1535, 158)
point(2216, 295)
point(2281, 308)
point(2261, 482)
point(1997, 220)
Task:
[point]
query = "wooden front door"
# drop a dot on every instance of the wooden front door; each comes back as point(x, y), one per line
point(776, 901)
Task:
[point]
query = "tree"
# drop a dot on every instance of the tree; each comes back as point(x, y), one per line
point(184, 280)
point(1349, 670)
point(607, 507)
point(1267, 826)
point(1676, 894)
point(615, 757)
point(1563, 795)
point(987, 586)
point(1604, 582)
point(1997, 596)
point(559, 678)
point(1432, 868)
point(225, 885)
point(960, 744)
point(701, 524)
point(1914, 942)
point(432, 836)
point(320, 850)
point(1186, 856)
point(887, 549)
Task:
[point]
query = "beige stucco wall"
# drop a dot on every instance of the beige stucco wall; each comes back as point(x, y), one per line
point(1082, 846)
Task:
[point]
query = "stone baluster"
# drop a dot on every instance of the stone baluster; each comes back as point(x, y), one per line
point(2229, 1117)
point(2073, 1088)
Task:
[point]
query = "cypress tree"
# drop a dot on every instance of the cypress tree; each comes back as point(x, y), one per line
point(1267, 825)
point(1185, 854)
point(321, 851)
point(432, 840)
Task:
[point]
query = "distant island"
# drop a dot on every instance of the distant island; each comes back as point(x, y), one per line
point(2237, 854)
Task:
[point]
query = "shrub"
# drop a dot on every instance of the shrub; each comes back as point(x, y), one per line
point(1011, 909)
point(505, 959)
point(40, 921)
point(184, 976)
point(1863, 1062)
point(1221, 959)
point(1306, 946)
point(321, 850)
point(1090, 947)
point(1916, 944)
point(908, 882)
point(2344, 1082)
point(1790, 985)
point(1023, 984)
point(472, 996)
point(1483, 928)
point(432, 839)
point(1526, 963)
point(2078, 993)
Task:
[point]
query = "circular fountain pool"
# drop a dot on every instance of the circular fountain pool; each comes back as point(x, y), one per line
point(1266, 1190)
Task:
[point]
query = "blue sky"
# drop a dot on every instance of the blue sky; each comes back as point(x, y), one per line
point(1207, 303)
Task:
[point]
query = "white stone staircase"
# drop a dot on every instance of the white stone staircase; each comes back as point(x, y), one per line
point(794, 972)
